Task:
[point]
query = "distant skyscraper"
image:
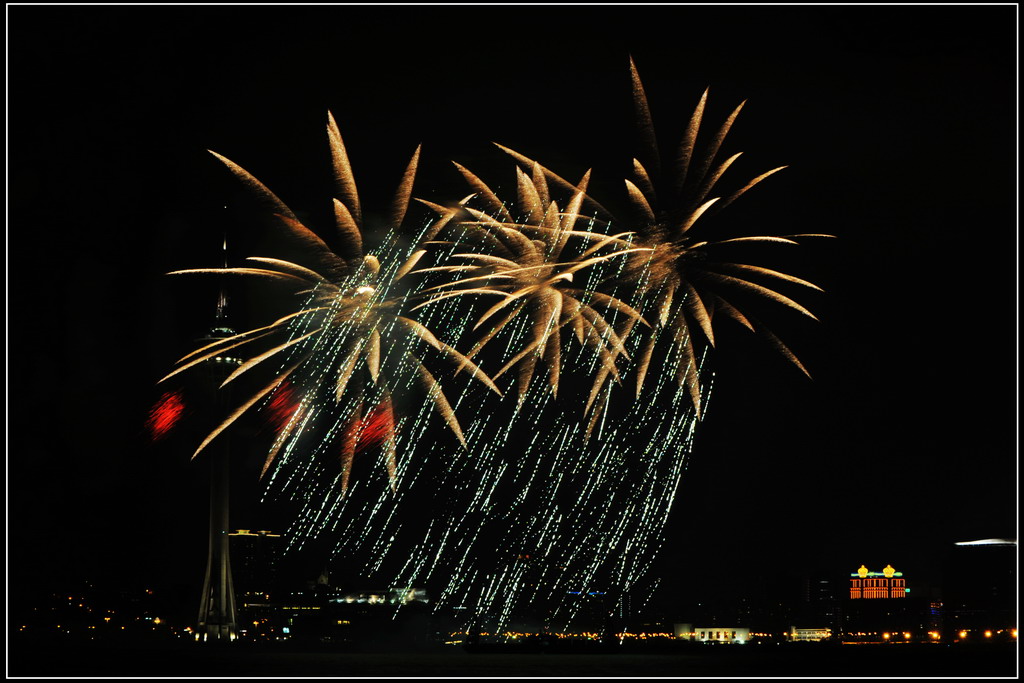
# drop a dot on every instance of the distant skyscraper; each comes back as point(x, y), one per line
point(820, 608)
point(255, 557)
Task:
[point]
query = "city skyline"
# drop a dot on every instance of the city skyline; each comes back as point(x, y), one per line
point(902, 445)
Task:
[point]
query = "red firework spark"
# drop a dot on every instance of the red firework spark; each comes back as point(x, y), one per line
point(376, 426)
point(282, 407)
point(165, 414)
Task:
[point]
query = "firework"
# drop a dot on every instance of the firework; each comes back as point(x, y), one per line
point(546, 288)
point(526, 264)
point(349, 333)
point(680, 281)
point(682, 278)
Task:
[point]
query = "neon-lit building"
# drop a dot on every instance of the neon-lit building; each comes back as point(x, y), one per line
point(888, 583)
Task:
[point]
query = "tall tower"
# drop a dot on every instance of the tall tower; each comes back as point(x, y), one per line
point(218, 614)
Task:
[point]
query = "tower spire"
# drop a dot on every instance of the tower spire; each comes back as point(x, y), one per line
point(218, 613)
point(222, 299)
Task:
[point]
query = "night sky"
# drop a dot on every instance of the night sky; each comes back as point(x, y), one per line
point(898, 126)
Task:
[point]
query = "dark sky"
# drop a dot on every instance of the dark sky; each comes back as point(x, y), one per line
point(898, 126)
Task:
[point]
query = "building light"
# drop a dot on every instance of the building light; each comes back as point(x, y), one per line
point(988, 634)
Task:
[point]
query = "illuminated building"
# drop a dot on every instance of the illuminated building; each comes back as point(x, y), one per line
point(391, 596)
point(809, 635)
point(218, 613)
point(887, 583)
point(712, 634)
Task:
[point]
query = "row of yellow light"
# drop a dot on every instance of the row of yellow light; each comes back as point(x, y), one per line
point(988, 633)
point(156, 621)
point(906, 636)
point(933, 635)
point(585, 634)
